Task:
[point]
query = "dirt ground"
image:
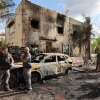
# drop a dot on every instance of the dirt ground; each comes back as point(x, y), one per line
point(78, 85)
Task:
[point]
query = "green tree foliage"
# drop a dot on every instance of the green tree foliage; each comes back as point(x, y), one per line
point(2, 43)
point(94, 44)
point(82, 35)
point(77, 34)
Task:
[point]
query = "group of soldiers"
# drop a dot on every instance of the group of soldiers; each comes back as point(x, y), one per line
point(7, 60)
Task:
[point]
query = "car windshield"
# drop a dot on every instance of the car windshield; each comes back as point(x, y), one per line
point(39, 58)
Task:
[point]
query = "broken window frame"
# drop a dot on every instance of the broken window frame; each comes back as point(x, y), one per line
point(50, 59)
point(61, 31)
point(61, 58)
point(36, 22)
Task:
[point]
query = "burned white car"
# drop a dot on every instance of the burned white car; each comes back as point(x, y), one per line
point(51, 64)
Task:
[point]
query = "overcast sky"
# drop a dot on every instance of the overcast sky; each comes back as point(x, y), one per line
point(87, 7)
point(75, 9)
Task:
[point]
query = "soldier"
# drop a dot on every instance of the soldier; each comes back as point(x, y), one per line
point(97, 51)
point(26, 59)
point(6, 61)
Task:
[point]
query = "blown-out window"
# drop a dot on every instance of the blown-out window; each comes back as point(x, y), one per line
point(61, 58)
point(35, 24)
point(50, 59)
point(60, 30)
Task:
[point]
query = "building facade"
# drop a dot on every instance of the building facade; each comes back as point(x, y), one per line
point(34, 25)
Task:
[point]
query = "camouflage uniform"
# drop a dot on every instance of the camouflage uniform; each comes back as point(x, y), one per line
point(97, 51)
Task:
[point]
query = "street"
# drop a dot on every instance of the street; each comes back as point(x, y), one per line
point(78, 85)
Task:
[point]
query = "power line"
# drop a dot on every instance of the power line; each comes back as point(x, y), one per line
point(95, 18)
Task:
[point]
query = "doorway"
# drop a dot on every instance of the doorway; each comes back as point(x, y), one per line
point(48, 47)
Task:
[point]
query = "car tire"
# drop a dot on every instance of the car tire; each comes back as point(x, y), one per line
point(35, 77)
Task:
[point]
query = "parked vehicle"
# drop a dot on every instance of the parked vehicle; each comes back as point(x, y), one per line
point(52, 63)
point(94, 58)
point(78, 61)
point(44, 66)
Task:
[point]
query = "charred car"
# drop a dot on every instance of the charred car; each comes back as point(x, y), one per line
point(45, 65)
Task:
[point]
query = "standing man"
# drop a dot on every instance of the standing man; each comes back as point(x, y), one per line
point(26, 59)
point(6, 61)
point(97, 51)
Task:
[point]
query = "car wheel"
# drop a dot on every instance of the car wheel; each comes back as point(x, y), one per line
point(35, 77)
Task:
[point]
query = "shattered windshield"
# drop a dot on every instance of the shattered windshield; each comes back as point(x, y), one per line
point(39, 58)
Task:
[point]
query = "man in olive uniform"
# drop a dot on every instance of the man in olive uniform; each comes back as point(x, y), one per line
point(97, 51)
point(6, 61)
point(26, 59)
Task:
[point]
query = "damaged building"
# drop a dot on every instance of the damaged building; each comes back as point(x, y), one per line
point(40, 27)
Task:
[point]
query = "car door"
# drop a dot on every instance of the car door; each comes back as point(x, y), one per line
point(62, 63)
point(50, 66)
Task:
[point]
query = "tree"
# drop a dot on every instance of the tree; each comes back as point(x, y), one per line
point(94, 44)
point(87, 36)
point(77, 35)
point(6, 8)
point(82, 35)
point(2, 43)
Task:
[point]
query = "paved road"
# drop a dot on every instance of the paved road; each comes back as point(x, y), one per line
point(78, 85)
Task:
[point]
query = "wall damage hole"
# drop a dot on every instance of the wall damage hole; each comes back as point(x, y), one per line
point(75, 32)
point(60, 30)
point(60, 17)
point(35, 24)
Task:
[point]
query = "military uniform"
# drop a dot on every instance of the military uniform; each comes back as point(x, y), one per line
point(97, 51)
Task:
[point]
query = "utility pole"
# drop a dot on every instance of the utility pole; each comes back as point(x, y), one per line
point(66, 11)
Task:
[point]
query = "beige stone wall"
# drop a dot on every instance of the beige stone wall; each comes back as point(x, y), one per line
point(14, 33)
point(18, 26)
point(9, 29)
point(6, 35)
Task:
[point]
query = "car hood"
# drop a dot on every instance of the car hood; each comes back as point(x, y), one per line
point(18, 65)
